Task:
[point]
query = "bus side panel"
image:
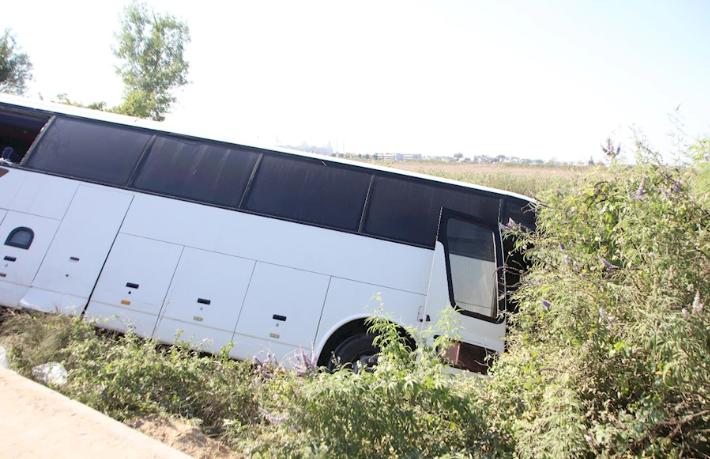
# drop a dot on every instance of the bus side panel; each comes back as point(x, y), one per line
point(282, 306)
point(18, 265)
point(133, 284)
point(35, 193)
point(204, 299)
point(348, 300)
point(280, 242)
point(73, 263)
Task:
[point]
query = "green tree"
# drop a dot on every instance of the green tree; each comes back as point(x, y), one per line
point(15, 66)
point(151, 47)
point(63, 98)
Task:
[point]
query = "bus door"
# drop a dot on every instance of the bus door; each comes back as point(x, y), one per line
point(466, 286)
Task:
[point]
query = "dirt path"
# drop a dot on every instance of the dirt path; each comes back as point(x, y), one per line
point(36, 422)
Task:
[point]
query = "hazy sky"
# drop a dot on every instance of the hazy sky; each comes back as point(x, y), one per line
point(535, 79)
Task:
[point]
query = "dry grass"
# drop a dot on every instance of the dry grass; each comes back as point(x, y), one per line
point(524, 179)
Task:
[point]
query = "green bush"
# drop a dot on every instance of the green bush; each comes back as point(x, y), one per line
point(406, 406)
point(125, 376)
point(610, 352)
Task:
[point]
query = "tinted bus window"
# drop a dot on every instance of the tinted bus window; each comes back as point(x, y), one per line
point(310, 191)
point(196, 170)
point(408, 210)
point(89, 150)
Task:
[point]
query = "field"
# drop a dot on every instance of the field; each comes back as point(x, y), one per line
point(527, 180)
point(608, 355)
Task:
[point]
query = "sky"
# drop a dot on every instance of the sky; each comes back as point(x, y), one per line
point(545, 79)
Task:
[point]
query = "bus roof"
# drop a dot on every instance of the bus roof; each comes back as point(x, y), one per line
point(55, 108)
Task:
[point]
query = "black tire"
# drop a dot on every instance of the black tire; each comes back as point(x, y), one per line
point(357, 352)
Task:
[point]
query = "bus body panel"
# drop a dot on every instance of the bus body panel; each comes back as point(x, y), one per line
point(36, 194)
point(282, 305)
point(120, 319)
point(19, 265)
point(348, 300)
point(266, 350)
point(79, 250)
point(198, 337)
point(205, 298)
point(133, 284)
point(309, 248)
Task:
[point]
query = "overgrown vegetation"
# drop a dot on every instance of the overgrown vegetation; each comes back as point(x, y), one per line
point(609, 354)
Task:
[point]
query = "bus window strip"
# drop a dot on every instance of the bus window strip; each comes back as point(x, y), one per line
point(365, 209)
point(235, 209)
point(141, 159)
point(250, 182)
point(258, 150)
point(37, 140)
point(366, 205)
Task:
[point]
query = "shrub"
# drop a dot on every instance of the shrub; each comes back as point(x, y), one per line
point(125, 376)
point(610, 352)
point(406, 406)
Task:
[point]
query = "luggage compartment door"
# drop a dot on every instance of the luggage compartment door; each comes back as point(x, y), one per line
point(281, 312)
point(71, 268)
point(133, 284)
point(24, 240)
point(205, 299)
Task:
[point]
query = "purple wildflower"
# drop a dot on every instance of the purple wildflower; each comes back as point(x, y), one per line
point(562, 246)
point(305, 363)
point(608, 265)
point(675, 188)
point(546, 305)
point(640, 191)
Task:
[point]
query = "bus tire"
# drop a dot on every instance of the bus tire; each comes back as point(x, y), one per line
point(356, 352)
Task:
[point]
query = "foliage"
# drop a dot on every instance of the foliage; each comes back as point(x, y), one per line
point(407, 406)
point(125, 376)
point(151, 47)
point(610, 352)
point(63, 98)
point(15, 66)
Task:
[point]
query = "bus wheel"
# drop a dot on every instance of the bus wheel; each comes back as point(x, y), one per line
point(357, 352)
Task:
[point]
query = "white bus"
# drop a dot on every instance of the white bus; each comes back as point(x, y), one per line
point(134, 225)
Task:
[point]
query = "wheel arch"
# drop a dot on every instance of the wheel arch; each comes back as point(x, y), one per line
point(350, 327)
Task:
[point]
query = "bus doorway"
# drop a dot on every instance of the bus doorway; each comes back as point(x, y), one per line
point(18, 131)
point(467, 283)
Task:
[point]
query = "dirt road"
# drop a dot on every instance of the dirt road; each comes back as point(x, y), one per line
point(36, 422)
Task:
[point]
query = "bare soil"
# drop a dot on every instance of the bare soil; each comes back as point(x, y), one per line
point(182, 436)
point(37, 422)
